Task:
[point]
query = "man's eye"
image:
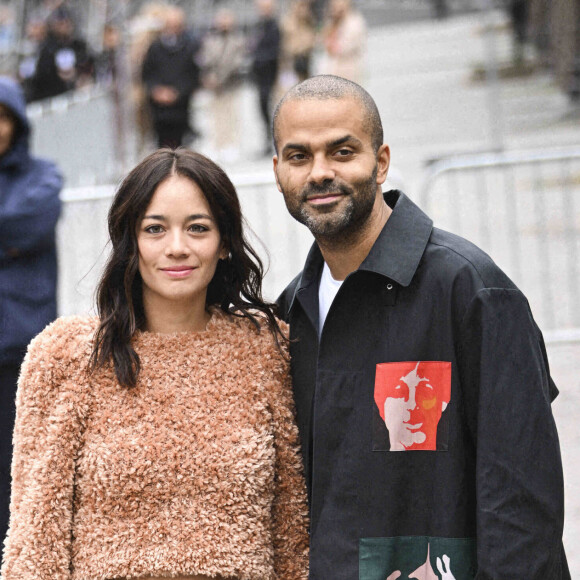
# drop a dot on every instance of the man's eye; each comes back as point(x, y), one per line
point(297, 157)
point(154, 229)
point(344, 153)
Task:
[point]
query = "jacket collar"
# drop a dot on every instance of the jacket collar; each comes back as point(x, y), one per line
point(395, 254)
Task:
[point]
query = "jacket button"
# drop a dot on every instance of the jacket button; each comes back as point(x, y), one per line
point(389, 286)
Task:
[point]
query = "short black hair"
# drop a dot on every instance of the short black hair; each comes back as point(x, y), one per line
point(331, 87)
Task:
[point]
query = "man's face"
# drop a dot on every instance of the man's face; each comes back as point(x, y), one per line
point(326, 166)
point(7, 129)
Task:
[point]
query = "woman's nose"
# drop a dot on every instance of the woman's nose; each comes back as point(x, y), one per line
point(177, 244)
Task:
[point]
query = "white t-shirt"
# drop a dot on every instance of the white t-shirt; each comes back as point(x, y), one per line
point(326, 293)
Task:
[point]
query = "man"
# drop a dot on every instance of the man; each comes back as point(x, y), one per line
point(382, 286)
point(29, 210)
point(170, 74)
point(344, 38)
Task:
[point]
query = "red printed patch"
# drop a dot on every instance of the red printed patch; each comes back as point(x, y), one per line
point(411, 398)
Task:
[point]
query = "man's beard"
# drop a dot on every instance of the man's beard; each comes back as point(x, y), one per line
point(333, 226)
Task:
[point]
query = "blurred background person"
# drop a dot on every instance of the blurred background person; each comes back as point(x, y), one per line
point(106, 61)
point(223, 58)
point(265, 55)
point(145, 28)
point(171, 75)
point(35, 35)
point(298, 39)
point(64, 62)
point(29, 210)
point(440, 8)
point(7, 28)
point(518, 11)
point(344, 37)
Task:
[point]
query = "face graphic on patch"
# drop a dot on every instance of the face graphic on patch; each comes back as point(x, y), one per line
point(426, 572)
point(411, 398)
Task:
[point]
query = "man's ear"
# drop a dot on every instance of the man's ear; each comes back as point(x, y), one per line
point(383, 162)
point(275, 165)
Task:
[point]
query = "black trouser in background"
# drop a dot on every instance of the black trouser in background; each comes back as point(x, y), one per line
point(265, 74)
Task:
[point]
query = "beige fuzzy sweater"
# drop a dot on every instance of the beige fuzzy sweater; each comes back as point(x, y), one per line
point(194, 471)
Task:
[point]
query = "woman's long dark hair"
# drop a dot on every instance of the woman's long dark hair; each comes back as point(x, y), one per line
point(236, 287)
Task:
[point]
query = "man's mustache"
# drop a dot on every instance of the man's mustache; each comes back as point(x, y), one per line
point(328, 187)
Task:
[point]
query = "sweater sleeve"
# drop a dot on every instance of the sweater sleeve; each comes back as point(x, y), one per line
point(289, 509)
point(508, 393)
point(50, 412)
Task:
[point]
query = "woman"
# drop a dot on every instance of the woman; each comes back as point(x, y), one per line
point(222, 59)
point(158, 440)
point(298, 39)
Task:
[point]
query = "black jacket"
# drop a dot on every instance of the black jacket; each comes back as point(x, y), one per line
point(49, 78)
point(489, 495)
point(174, 66)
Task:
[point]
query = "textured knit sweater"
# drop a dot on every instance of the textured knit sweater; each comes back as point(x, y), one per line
point(196, 470)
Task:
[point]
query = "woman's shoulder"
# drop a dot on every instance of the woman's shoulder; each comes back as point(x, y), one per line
point(255, 333)
point(254, 323)
point(65, 337)
point(57, 356)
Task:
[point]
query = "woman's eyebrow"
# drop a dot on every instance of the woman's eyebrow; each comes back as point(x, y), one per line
point(193, 216)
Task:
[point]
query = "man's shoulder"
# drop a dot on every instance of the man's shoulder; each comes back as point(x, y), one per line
point(452, 255)
point(284, 301)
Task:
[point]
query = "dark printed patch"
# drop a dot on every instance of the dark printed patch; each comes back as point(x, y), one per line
point(417, 558)
point(411, 398)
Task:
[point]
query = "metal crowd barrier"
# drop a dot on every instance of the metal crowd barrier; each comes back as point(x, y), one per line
point(83, 239)
point(522, 208)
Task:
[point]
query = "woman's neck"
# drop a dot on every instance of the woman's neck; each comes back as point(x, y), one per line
point(175, 317)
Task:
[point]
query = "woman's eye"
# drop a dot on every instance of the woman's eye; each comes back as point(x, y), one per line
point(154, 229)
point(198, 228)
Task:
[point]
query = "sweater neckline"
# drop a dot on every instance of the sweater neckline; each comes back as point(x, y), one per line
point(213, 324)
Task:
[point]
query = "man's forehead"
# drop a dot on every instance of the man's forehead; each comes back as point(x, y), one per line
point(297, 106)
point(311, 117)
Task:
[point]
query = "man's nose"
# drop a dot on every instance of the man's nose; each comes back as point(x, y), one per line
point(321, 170)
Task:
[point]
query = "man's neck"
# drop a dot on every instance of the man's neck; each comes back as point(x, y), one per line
point(347, 255)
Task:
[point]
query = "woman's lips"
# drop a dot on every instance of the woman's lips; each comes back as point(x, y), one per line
point(178, 271)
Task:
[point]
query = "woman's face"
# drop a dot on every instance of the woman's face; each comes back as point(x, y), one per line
point(179, 246)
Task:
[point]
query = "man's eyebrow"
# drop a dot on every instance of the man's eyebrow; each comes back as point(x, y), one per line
point(343, 140)
point(294, 147)
point(329, 145)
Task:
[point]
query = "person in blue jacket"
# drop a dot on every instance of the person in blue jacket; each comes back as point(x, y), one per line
point(422, 386)
point(29, 209)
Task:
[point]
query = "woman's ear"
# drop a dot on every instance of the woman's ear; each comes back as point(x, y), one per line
point(224, 252)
